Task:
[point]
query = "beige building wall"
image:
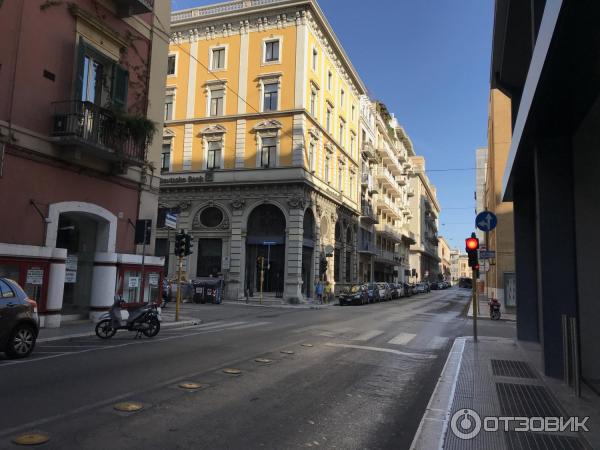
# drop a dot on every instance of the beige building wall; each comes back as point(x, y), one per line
point(444, 255)
point(500, 276)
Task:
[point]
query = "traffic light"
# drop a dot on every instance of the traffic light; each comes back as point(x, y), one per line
point(472, 246)
point(187, 247)
point(322, 266)
point(179, 244)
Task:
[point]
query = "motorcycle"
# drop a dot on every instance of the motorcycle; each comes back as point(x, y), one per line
point(494, 309)
point(144, 320)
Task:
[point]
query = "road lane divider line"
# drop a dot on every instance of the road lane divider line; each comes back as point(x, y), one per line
point(367, 335)
point(402, 339)
point(381, 349)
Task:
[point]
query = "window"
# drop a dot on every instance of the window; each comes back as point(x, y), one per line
point(169, 106)
point(329, 80)
point(267, 151)
point(313, 102)
point(315, 55)
point(5, 290)
point(171, 64)
point(326, 169)
point(340, 179)
point(270, 97)
point(311, 156)
point(342, 94)
point(353, 111)
point(214, 155)
point(216, 102)
point(218, 58)
point(328, 120)
point(272, 51)
point(351, 185)
point(352, 139)
point(92, 80)
point(165, 157)
point(341, 136)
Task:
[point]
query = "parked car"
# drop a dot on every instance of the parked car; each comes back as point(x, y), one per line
point(385, 293)
point(434, 286)
point(356, 295)
point(19, 323)
point(408, 290)
point(373, 292)
point(396, 290)
point(421, 288)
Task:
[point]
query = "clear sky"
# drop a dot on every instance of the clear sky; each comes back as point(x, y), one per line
point(428, 61)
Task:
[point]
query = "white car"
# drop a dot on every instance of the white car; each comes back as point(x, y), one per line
point(421, 288)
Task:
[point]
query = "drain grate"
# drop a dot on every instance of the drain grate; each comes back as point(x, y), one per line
point(540, 441)
point(519, 400)
point(510, 368)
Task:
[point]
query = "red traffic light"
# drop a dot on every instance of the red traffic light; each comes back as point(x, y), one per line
point(472, 243)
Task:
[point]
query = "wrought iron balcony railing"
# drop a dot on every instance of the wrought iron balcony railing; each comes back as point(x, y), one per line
point(126, 8)
point(97, 130)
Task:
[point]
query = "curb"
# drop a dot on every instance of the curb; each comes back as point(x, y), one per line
point(434, 423)
point(93, 333)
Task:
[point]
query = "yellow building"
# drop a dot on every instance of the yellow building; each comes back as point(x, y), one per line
point(261, 154)
point(500, 279)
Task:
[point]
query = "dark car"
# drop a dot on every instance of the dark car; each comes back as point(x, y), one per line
point(373, 291)
point(19, 325)
point(408, 290)
point(356, 295)
point(434, 286)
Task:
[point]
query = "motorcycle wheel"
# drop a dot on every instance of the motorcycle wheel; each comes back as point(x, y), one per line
point(104, 329)
point(154, 327)
point(495, 315)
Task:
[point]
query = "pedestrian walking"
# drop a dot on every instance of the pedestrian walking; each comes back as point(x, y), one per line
point(328, 292)
point(319, 291)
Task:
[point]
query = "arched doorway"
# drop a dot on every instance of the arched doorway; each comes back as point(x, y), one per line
point(308, 246)
point(265, 237)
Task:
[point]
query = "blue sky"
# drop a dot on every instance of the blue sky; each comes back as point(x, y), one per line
point(428, 61)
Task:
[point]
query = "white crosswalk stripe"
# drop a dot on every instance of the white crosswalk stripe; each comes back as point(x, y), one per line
point(368, 335)
point(437, 342)
point(402, 339)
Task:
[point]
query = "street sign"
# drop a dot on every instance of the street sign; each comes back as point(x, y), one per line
point(35, 276)
point(486, 221)
point(171, 221)
point(487, 254)
point(269, 242)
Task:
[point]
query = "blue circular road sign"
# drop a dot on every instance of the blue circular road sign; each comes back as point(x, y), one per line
point(486, 221)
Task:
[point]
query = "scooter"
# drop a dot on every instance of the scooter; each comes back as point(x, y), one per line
point(143, 320)
point(494, 309)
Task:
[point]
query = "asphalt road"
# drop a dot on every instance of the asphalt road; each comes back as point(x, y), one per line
point(362, 383)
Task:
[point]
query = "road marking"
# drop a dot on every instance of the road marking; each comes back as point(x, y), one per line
point(386, 350)
point(367, 335)
point(249, 325)
point(437, 342)
point(402, 339)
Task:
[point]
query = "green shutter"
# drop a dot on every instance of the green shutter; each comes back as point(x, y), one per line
point(79, 64)
point(120, 88)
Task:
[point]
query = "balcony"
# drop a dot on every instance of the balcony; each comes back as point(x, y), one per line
point(127, 8)
point(389, 206)
point(386, 256)
point(390, 159)
point(89, 128)
point(401, 180)
point(369, 151)
point(367, 248)
point(389, 231)
point(411, 193)
point(368, 213)
point(388, 180)
point(409, 237)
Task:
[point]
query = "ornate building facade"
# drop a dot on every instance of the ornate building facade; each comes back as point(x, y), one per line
point(261, 148)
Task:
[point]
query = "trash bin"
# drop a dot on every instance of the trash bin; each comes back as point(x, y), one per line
point(208, 291)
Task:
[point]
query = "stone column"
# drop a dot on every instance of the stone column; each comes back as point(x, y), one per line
point(237, 256)
point(293, 250)
point(56, 286)
point(104, 279)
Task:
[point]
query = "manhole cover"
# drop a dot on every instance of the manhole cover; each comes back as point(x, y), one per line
point(287, 352)
point(232, 371)
point(263, 360)
point(513, 369)
point(128, 406)
point(190, 386)
point(306, 345)
point(31, 439)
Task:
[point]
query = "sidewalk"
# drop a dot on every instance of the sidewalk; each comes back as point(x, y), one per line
point(501, 377)
point(81, 328)
point(272, 303)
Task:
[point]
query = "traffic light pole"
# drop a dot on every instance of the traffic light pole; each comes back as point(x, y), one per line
point(178, 289)
point(475, 306)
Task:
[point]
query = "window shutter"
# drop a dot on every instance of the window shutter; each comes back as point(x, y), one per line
point(79, 64)
point(120, 88)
